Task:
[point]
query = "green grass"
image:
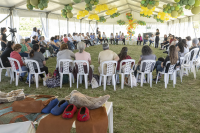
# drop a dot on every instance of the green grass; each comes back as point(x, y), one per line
point(140, 109)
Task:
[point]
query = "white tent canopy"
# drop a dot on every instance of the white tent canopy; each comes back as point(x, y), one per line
point(51, 18)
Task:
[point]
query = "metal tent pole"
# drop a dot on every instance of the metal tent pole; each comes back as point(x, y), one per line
point(47, 25)
point(67, 25)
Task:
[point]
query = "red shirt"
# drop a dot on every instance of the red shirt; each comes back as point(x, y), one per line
point(171, 41)
point(65, 40)
point(118, 64)
point(17, 56)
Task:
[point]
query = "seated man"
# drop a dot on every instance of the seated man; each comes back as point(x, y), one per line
point(106, 55)
point(195, 43)
point(92, 38)
point(70, 42)
point(146, 39)
point(151, 39)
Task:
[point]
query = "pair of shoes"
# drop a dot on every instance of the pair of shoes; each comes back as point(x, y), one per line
point(165, 52)
point(83, 114)
point(27, 82)
point(59, 108)
point(21, 79)
point(50, 106)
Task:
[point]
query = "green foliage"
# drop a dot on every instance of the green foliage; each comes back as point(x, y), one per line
point(141, 22)
point(102, 19)
point(90, 3)
point(67, 11)
point(149, 3)
point(37, 4)
point(121, 22)
point(115, 15)
point(142, 15)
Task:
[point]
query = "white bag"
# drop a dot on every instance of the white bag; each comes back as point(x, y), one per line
point(94, 83)
point(134, 82)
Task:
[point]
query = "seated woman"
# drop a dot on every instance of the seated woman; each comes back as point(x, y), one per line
point(151, 39)
point(24, 50)
point(104, 37)
point(45, 45)
point(35, 54)
point(54, 45)
point(146, 55)
point(189, 41)
point(71, 42)
point(83, 55)
point(35, 41)
point(186, 48)
point(122, 56)
point(6, 54)
point(123, 38)
point(27, 41)
point(99, 37)
point(180, 49)
point(15, 54)
point(57, 41)
point(117, 37)
point(64, 53)
point(172, 57)
point(139, 39)
point(112, 38)
point(165, 42)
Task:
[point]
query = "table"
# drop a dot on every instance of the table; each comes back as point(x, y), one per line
point(109, 110)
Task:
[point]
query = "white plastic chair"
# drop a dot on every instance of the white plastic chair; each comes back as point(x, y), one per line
point(179, 68)
point(127, 70)
point(14, 70)
point(65, 70)
point(5, 68)
point(194, 60)
point(171, 71)
point(187, 65)
point(81, 72)
point(47, 53)
point(110, 66)
point(32, 71)
point(149, 65)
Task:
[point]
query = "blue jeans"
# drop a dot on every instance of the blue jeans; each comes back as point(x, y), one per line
point(145, 41)
point(24, 68)
point(55, 48)
point(97, 40)
point(150, 42)
point(158, 66)
point(117, 76)
point(24, 54)
point(71, 46)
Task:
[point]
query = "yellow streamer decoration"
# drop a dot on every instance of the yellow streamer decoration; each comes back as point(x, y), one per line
point(93, 16)
point(163, 16)
point(82, 14)
point(100, 8)
point(111, 12)
point(146, 11)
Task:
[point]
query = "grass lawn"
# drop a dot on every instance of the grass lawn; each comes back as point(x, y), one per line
point(140, 109)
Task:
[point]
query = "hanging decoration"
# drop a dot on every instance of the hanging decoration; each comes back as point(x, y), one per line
point(115, 15)
point(174, 10)
point(82, 14)
point(93, 16)
point(141, 22)
point(193, 5)
point(121, 22)
point(37, 4)
point(131, 24)
point(77, 1)
point(90, 3)
point(162, 17)
point(102, 19)
point(129, 16)
point(100, 8)
point(149, 4)
point(67, 11)
point(111, 12)
point(145, 12)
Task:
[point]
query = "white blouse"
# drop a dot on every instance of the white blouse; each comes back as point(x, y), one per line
point(104, 36)
point(189, 44)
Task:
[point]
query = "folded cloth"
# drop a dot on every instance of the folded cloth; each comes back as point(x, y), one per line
point(98, 122)
point(30, 105)
point(14, 95)
point(56, 124)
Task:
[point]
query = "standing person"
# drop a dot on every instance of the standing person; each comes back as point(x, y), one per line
point(139, 39)
point(104, 37)
point(6, 54)
point(97, 31)
point(151, 39)
point(123, 38)
point(15, 54)
point(112, 38)
point(99, 37)
point(34, 33)
point(117, 37)
point(157, 38)
point(3, 39)
point(39, 33)
point(146, 39)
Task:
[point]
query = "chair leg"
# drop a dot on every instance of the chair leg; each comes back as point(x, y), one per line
point(157, 78)
point(17, 78)
point(36, 80)
point(0, 74)
point(122, 81)
point(137, 77)
point(11, 76)
point(142, 79)
point(29, 80)
point(86, 81)
point(72, 77)
point(81, 79)
point(77, 80)
point(61, 79)
point(166, 80)
point(150, 78)
point(104, 83)
point(131, 78)
point(113, 80)
point(194, 71)
point(100, 78)
point(70, 80)
point(174, 79)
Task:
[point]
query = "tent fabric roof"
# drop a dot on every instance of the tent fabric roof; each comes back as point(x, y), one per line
point(123, 6)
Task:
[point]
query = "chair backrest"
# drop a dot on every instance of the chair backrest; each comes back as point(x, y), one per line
point(1, 63)
point(80, 64)
point(171, 67)
point(182, 60)
point(194, 53)
point(149, 65)
point(31, 66)
point(128, 63)
point(110, 65)
point(186, 60)
point(66, 66)
point(12, 63)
